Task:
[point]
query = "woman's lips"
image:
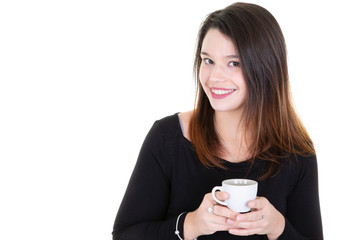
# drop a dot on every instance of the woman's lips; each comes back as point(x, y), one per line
point(219, 93)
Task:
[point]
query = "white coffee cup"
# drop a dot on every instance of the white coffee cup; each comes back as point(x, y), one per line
point(240, 191)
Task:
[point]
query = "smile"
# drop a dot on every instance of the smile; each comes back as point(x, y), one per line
point(219, 93)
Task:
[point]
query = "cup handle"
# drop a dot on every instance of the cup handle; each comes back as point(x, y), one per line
point(214, 197)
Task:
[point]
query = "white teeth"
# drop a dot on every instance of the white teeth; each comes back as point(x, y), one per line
point(222, 92)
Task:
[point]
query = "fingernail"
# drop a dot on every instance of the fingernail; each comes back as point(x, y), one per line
point(232, 231)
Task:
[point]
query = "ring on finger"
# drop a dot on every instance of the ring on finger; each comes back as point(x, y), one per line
point(262, 215)
point(211, 209)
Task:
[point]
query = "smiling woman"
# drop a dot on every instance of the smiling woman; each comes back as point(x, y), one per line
point(243, 48)
point(221, 76)
point(244, 126)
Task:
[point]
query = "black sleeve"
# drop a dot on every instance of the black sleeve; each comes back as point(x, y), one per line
point(303, 217)
point(142, 213)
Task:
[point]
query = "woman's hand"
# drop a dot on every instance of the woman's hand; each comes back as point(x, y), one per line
point(263, 219)
point(204, 222)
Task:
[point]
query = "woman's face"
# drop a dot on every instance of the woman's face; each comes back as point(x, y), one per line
point(221, 76)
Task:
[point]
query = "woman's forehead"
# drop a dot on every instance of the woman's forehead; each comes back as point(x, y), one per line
point(218, 44)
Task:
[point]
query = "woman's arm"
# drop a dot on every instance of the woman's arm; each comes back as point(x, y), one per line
point(303, 217)
point(142, 214)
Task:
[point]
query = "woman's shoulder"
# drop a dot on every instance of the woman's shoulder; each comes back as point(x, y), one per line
point(175, 124)
point(298, 161)
point(185, 118)
point(301, 165)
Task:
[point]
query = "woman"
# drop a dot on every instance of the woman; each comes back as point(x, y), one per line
point(244, 126)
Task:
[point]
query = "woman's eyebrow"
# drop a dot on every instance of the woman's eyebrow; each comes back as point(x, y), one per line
point(233, 56)
point(228, 56)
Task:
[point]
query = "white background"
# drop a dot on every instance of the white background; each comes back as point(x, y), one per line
point(81, 83)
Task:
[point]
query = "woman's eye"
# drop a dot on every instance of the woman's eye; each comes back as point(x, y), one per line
point(208, 61)
point(234, 64)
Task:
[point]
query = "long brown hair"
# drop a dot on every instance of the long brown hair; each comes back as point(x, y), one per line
point(269, 114)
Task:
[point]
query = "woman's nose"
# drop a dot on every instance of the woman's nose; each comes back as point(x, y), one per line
point(217, 74)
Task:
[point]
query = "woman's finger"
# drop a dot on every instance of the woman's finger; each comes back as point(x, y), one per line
point(243, 232)
point(221, 210)
point(258, 203)
point(251, 216)
point(222, 196)
point(224, 211)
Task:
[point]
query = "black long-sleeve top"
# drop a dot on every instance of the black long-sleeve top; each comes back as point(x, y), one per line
point(169, 179)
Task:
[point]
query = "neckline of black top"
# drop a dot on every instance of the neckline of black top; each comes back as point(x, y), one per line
point(225, 163)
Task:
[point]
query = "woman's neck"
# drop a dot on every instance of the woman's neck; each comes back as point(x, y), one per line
point(232, 136)
point(228, 125)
